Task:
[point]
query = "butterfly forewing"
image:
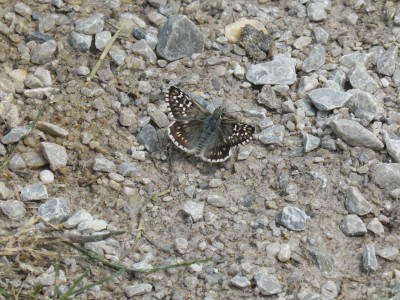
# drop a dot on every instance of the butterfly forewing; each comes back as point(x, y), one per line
point(183, 107)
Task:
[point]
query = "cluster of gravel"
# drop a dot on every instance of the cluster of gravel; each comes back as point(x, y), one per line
point(308, 210)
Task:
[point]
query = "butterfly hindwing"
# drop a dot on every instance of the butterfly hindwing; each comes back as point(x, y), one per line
point(185, 134)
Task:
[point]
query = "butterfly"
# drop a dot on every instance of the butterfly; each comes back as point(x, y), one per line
point(210, 136)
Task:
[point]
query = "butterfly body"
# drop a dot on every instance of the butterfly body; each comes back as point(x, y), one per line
point(195, 130)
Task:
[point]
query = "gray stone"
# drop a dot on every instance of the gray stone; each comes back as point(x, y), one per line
point(355, 134)
point(292, 218)
point(90, 25)
point(32, 192)
point(13, 209)
point(268, 98)
point(117, 54)
point(92, 226)
point(326, 99)
point(55, 210)
point(4, 191)
point(78, 217)
point(39, 93)
point(360, 79)
point(281, 70)
point(127, 117)
point(321, 36)
point(356, 202)
point(16, 163)
point(101, 39)
point(284, 253)
point(215, 182)
point(370, 262)
point(178, 38)
point(80, 42)
point(102, 164)
point(352, 225)
point(316, 12)
point(302, 42)
point(181, 245)
point(267, 284)
point(389, 253)
point(43, 53)
point(128, 169)
point(32, 82)
point(34, 160)
point(240, 281)
point(217, 201)
point(3, 150)
point(315, 59)
point(376, 227)
point(14, 135)
point(142, 49)
point(159, 118)
point(386, 63)
point(387, 176)
point(272, 135)
point(22, 9)
point(353, 60)
point(365, 106)
point(194, 209)
point(244, 152)
point(55, 154)
point(148, 138)
point(306, 84)
point(310, 142)
point(322, 259)
point(157, 3)
point(190, 282)
point(52, 129)
point(393, 148)
point(138, 289)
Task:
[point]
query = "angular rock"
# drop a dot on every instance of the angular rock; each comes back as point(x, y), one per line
point(14, 135)
point(281, 70)
point(393, 148)
point(78, 217)
point(23, 9)
point(101, 39)
point(387, 176)
point(310, 142)
point(360, 79)
point(16, 163)
point(355, 134)
point(90, 25)
point(43, 53)
point(316, 12)
point(32, 192)
point(376, 227)
point(386, 64)
point(55, 154)
point(217, 201)
point(365, 106)
point(194, 209)
point(352, 225)
point(34, 160)
point(117, 54)
point(142, 49)
point(370, 262)
point(322, 259)
point(52, 129)
point(268, 98)
point(267, 284)
point(326, 99)
point(389, 253)
point(13, 209)
point(315, 59)
point(102, 164)
point(148, 138)
point(128, 169)
point(159, 118)
point(178, 38)
point(80, 42)
point(356, 202)
point(240, 281)
point(292, 218)
point(306, 84)
point(4, 191)
point(137, 289)
point(272, 135)
point(44, 76)
point(55, 210)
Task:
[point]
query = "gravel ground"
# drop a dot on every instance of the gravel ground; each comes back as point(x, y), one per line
point(307, 210)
